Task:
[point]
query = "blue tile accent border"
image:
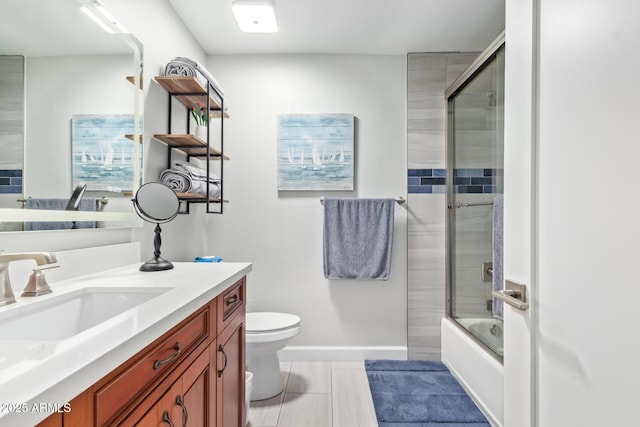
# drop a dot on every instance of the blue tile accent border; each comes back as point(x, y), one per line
point(466, 181)
point(10, 181)
point(427, 181)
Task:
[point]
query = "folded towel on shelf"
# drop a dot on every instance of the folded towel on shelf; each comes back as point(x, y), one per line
point(181, 66)
point(498, 249)
point(186, 178)
point(358, 238)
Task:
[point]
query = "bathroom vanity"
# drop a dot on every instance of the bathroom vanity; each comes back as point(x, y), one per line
point(177, 355)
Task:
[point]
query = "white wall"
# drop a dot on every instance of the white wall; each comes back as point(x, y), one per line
point(281, 233)
point(97, 86)
point(585, 282)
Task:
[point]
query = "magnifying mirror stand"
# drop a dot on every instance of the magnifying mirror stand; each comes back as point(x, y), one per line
point(156, 203)
point(157, 263)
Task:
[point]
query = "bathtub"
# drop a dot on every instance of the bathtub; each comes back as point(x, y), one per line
point(479, 372)
point(487, 330)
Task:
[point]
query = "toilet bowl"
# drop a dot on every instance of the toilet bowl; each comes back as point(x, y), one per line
point(266, 333)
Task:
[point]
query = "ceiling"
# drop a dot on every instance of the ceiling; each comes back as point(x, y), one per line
point(350, 26)
point(51, 28)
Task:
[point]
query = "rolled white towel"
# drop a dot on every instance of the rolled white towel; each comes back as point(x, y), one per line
point(194, 171)
point(202, 70)
point(181, 181)
point(200, 187)
point(178, 181)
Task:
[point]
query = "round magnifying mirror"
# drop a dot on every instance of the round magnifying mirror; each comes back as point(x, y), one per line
point(156, 203)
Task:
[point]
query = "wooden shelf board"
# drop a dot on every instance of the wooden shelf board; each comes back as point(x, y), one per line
point(189, 144)
point(132, 80)
point(188, 84)
point(130, 136)
point(192, 197)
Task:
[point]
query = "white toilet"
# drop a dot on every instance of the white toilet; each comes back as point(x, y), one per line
point(266, 334)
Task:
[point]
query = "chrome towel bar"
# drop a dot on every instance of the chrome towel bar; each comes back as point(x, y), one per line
point(399, 200)
point(467, 204)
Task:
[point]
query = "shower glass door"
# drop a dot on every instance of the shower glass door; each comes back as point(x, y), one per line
point(476, 176)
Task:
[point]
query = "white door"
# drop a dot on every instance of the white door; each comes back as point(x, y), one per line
point(572, 212)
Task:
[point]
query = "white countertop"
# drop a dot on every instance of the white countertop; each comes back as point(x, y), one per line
point(40, 372)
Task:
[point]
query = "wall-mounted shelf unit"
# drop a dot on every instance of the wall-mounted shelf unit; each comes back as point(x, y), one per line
point(189, 92)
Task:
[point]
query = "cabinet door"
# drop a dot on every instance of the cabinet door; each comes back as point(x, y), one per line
point(230, 373)
point(198, 401)
point(162, 413)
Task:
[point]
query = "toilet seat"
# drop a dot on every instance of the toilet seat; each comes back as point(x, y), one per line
point(267, 322)
point(268, 327)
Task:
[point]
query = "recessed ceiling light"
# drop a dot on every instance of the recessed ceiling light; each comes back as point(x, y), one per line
point(255, 16)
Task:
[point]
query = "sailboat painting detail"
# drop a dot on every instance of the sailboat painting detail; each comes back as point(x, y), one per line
point(102, 156)
point(315, 152)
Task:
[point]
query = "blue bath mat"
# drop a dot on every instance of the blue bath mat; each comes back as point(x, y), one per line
point(419, 393)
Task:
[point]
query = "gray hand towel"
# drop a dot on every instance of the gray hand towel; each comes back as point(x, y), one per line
point(358, 237)
point(86, 204)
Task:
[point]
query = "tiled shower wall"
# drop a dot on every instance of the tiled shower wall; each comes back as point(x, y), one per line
point(429, 74)
point(11, 124)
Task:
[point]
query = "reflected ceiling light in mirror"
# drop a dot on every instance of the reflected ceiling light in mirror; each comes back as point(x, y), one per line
point(255, 16)
point(103, 18)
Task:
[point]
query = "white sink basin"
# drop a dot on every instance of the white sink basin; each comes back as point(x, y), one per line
point(59, 317)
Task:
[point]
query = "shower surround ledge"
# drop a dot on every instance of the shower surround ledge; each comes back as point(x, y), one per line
point(480, 374)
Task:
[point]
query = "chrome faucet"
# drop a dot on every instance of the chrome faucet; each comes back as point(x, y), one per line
point(37, 284)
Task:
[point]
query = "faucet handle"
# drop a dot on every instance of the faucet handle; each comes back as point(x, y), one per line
point(37, 284)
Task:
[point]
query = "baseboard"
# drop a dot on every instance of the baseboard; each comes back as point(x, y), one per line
point(340, 354)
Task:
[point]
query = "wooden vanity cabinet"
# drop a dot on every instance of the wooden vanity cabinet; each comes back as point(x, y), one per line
point(191, 376)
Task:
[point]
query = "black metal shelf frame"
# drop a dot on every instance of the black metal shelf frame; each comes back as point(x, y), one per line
point(207, 199)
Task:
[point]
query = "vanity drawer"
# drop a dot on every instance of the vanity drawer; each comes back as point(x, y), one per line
point(232, 301)
point(151, 365)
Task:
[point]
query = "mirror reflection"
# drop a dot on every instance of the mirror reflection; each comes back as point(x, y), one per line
point(70, 115)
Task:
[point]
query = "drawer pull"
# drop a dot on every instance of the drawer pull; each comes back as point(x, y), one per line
point(158, 363)
point(221, 349)
point(185, 413)
point(234, 299)
point(167, 419)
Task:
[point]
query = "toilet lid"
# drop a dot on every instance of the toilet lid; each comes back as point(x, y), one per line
point(270, 322)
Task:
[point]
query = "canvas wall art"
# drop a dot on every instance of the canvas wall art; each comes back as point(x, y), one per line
point(316, 152)
point(102, 156)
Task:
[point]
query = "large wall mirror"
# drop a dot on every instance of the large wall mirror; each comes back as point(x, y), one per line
point(70, 116)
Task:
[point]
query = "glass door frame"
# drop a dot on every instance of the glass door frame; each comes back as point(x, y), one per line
point(458, 85)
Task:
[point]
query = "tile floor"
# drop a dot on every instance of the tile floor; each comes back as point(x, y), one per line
point(318, 394)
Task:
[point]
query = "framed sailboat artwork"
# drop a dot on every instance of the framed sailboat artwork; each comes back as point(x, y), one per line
point(101, 154)
point(316, 152)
